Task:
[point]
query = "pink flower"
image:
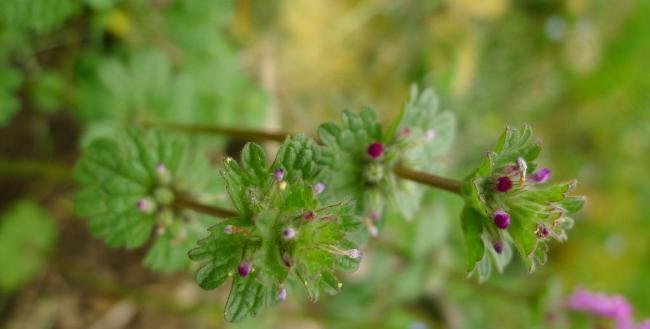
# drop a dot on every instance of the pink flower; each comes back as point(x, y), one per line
point(615, 307)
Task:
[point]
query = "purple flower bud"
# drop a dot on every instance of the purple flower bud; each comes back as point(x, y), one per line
point(309, 215)
point(163, 174)
point(319, 187)
point(498, 246)
point(542, 231)
point(541, 175)
point(146, 205)
point(375, 215)
point(353, 253)
point(430, 134)
point(288, 233)
point(501, 219)
point(282, 294)
point(504, 184)
point(375, 150)
point(244, 268)
point(228, 229)
point(279, 174)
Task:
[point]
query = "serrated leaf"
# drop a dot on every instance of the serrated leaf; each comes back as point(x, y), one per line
point(430, 132)
point(222, 252)
point(300, 157)
point(116, 174)
point(472, 225)
point(247, 298)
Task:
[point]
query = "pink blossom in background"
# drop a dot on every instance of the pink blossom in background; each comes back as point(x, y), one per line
point(615, 307)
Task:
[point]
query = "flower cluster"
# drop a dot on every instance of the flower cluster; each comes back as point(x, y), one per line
point(515, 203)
point(284, 232)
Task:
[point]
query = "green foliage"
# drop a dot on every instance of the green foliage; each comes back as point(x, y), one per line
point(284, 231)
point(537, 211)
point(127, 187)
point(10, 79)
point(27, 235)
point(41, 16)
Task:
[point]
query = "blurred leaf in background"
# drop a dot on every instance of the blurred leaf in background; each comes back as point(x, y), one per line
point(27, 236)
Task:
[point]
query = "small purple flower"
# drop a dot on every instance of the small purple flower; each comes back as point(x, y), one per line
point(353, 253)
point(498, 246)
point(430, 134)
point(319, 187)
point(288, 233)
point(146, 205)
point(375, 215)
point(504, 184)
point(540, 176)
point(278, 174)
point(282, 294)
point(375, 150)
point(501, 219)
point(228, 229)
point(244, 268)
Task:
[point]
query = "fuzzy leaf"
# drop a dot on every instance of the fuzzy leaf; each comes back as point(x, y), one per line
point(471, 222)
point(116, 174)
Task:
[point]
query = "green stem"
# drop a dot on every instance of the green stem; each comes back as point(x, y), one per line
point(443, 183)
point(186, 203)
point(34, 168)
point(243, 134)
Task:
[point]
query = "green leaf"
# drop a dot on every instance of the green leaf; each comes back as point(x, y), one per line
point(472, 225)
point(299, 156)
point(47, 93)
point(116, 174)
point(10, 80)
point(247, 298)
point(421, 118)
point(222, 252)
point(42, 16)
point(27, 236)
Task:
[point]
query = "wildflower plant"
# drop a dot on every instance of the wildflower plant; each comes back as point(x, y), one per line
point(302, 219)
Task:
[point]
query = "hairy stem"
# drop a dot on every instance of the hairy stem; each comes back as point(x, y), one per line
point(443, 183)
point(186, 203)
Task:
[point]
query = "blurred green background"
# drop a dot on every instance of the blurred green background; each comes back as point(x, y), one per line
point(577, 71)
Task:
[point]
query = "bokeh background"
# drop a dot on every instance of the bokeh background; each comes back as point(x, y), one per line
point(577, 71)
